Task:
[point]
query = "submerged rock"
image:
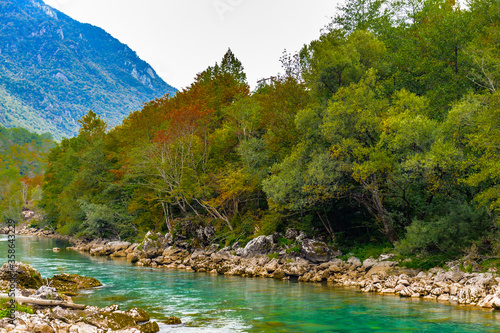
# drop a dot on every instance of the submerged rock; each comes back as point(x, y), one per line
point(172, 321)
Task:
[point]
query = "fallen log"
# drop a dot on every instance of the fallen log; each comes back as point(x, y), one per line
point(45, 302)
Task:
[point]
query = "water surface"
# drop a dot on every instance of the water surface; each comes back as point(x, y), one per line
point(211, 303)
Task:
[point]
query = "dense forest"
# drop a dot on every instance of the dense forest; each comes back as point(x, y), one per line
point(386, 130)
point(23, 159)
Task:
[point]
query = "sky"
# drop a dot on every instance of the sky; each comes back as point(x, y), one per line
point(180, 38)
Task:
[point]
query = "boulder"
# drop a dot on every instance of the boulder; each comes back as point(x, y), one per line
point(469, 295)
point(172, 321)
point(25, 275)
point(149, 327)
point(369, 263)
point(316, 251)
point(73, 282)
point(117, 246)
point(138, 314)
point(45, 292)
point(259, 246)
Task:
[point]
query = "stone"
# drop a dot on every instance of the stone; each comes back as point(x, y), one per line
point(316, 251)
point(117, 246)
point(469, 295)
point(26, 276)
point(172, 321)
point(369, 263)
point(386, 256)
point(138, 314)
point(354, 262)
point(43, 328)
point(272, 265)
point(45, 292)
point(406, 292)
point(149, 327)
point(260, 245)
point(486, 302)
point(495, 302)
point(72, 282)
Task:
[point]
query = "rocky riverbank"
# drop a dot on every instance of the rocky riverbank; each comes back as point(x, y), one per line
point(295, 256)
point(308, 260)
point(48, 308)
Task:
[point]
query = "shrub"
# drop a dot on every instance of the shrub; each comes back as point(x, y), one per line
point(452, 233)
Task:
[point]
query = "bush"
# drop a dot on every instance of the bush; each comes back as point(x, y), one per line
point(452, 233)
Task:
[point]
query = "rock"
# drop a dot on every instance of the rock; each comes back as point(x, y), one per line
point(43, 328)
point(486, 302)
point(386, 256)
point(149, 327)
point(83, 328)
point(56, 249)
point(469, 295)
point(381, 268)
point(98, 251)
point(26, 275)
point(155, 243)
point(172, 321)
point(117, 246)
point(291, 233)
point(406, 292)
point(45, 292)
point(354, 262)
point(444, 298)
point(296, 268)
point(73, 282)
point(138, 314)
point(66, 315)
point(316, 251)
point(272, 265)
point(369, 263)
point(495, 302)
point(259, 246)
point(110, 308)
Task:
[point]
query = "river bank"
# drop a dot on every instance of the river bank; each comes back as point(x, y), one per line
point(308, 260)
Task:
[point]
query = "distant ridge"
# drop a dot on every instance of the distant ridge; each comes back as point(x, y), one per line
point(54, 69)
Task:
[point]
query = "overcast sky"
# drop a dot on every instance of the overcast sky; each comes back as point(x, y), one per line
point(180, 38)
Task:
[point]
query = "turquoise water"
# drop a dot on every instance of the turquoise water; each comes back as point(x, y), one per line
point(209, 303)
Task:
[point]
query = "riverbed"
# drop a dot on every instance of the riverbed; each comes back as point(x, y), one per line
point(214, 303)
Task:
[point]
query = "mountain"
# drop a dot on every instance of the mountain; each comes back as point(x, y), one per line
point(54, 69)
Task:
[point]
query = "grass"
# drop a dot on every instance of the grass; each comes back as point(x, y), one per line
point(5, 308)
point(365, 251)
point(425, 262)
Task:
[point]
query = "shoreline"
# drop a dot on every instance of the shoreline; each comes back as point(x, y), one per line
point(380, 276)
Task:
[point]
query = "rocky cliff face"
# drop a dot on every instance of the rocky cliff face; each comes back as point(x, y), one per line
point(54, 69)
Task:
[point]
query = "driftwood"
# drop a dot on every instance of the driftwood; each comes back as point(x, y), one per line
point(45, 302)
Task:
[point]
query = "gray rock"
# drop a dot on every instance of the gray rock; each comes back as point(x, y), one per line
point(316, 251)
point(369, 263)
point(386, 256)
point(353, 261)
point(46, 292)
point(259, 246)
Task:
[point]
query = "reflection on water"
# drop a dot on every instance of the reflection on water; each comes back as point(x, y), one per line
point(208, 303)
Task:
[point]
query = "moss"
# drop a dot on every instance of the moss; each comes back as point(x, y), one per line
point(72, 282)
point(273, 255)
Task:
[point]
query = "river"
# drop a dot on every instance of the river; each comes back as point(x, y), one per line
point(210, 303)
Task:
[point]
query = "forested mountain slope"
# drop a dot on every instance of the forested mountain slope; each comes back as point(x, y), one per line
point(53, 70)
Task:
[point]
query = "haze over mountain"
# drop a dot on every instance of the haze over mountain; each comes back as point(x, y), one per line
point(54, 69)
